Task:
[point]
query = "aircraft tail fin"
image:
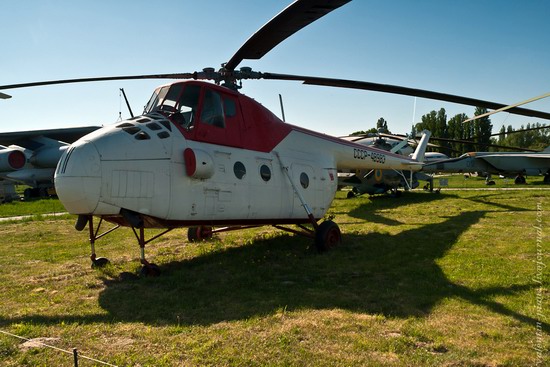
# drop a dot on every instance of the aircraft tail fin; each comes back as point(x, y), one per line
point(420, 151)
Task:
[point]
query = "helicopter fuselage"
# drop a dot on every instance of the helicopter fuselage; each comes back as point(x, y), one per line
point(213, 156)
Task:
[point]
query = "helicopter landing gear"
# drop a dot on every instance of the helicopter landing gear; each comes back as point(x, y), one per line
point(520, 180)
point(148, 269)
point(327, 236)
point(97, 262)
point(200, 233)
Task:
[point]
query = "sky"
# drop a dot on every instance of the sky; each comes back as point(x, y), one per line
point(494, 50)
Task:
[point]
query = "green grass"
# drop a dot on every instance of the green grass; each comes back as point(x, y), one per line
point(31, 207)
point(473, 181)
point(426, 279)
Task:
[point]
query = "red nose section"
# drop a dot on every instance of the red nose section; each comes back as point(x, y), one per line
point(16, 159)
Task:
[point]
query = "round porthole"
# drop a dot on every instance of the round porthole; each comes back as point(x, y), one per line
point(304, 180)
point(239, 170)
point(265, 173)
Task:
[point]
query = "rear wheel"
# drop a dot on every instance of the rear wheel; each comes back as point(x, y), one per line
point(520, 180)
point(327, 236)
point(200, 233)
point(150, 270)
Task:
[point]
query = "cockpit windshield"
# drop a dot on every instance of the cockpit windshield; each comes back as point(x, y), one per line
point(179, 101)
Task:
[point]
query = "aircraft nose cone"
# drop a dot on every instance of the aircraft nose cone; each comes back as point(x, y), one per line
point(78, 178)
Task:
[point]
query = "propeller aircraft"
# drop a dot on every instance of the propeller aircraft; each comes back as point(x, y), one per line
point(204, 155)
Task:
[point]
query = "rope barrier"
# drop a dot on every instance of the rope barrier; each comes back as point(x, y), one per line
point(71, 352)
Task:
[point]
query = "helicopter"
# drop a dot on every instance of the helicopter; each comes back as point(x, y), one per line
point(376, 181)
point(203, 155)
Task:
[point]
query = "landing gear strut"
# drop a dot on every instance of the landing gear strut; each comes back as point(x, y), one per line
point(148, 269)
point(327, 234)
point(97, 262)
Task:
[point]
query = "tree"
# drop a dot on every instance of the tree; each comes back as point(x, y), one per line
point(363, 132)
point(502, 135)
point(482, 130)
point(456, 130)
point(382, 125)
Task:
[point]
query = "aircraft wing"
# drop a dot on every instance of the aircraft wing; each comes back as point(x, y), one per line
point(513, 163)
point(30, 157)
point(67, 135)
point(497, 163)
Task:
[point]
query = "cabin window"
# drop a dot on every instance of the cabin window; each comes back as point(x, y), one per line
point(304, 180)
point(212, 109)
point(265, 172)
point(239, 169)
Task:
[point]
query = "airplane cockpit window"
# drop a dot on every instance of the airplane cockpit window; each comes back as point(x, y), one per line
point(212, 109)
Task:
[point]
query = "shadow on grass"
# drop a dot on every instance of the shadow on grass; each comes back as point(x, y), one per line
point(392, 275)
point(376, 273)
point(369, 212)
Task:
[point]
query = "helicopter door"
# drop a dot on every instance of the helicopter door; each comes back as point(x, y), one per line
point(220, 119)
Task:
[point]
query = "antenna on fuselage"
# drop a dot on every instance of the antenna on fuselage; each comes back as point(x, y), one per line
point(282, 107)
point(127, 103)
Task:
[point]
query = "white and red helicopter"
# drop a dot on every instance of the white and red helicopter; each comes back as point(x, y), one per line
point(203, 155)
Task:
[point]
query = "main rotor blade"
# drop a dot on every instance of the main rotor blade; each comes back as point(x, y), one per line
point(293, 18)
point(101, 79)
point(505, 108)
point(394, 89)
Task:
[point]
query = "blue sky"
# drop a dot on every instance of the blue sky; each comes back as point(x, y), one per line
point(495, 50)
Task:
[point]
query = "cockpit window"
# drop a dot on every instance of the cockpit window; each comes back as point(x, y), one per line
point(187, 105)
point(169, 103)
point(212, 109)
point(177, 101)
point(229, 107)
point(156, 99)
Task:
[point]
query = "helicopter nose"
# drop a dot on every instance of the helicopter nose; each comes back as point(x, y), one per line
point(78, 178)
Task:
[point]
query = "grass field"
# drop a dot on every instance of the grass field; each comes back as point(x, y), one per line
point(453, 279)
point(462, 181)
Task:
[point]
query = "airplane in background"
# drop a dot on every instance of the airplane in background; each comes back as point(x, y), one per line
point(509, 164)
point(30, 158)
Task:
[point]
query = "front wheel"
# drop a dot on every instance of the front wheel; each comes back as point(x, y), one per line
point(327, 236)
